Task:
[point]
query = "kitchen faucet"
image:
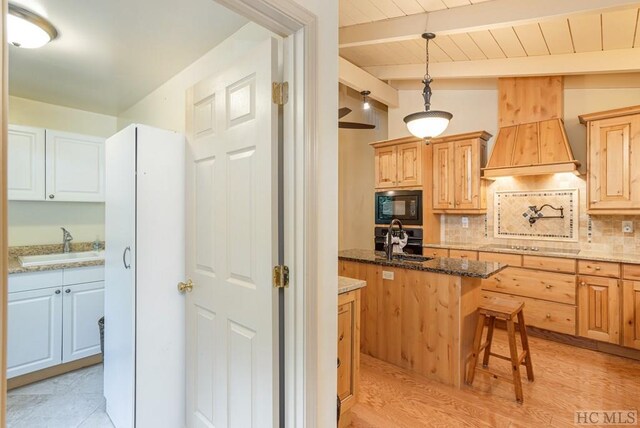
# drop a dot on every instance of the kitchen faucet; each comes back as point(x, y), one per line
point(388, 248)
point(66, 240)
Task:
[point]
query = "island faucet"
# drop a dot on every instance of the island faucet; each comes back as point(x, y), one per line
point(388, 248)
point(66, 240)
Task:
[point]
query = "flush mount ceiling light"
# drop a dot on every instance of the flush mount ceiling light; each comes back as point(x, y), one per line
point(25, 29)
point(365, 99)
point(429, 123)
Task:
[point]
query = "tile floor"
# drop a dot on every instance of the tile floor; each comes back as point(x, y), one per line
point(72, 400)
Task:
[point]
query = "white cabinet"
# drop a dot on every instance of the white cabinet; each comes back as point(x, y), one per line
point(83, 305)
point(25, 172)
point(74, 167)
point(34, 330)
point(54, 166)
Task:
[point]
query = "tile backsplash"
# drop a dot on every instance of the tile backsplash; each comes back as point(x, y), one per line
point(597, 232)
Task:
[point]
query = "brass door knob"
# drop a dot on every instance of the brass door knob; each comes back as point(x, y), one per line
point(185, 286)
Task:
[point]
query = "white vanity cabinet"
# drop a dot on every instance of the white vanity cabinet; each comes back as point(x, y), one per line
point(53, 317)
point(55, 166)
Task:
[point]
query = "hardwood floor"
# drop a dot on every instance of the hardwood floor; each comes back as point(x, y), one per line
point(567, 379)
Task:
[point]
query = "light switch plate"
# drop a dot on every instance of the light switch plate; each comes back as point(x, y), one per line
point(627, 227)
point(387, 275)
point(465, 222)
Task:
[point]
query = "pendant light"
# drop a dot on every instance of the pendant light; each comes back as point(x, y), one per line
point(25, 29)
point(429, 123)
point(366, 105)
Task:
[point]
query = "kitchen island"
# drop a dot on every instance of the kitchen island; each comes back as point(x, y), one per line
point(418, 314)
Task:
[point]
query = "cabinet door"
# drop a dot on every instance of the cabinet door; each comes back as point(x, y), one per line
point(83, 306)
point(34, 330)
point(467, 174)
point(385, 167)
point(409, 164)
point(348, 347)
point(631, 313)
point(443, 185)
point(598, 308)
point(614, 163)
point(25, 167)
point(75, 167)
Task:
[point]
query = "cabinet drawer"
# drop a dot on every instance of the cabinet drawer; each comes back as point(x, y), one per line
point(553, 264)
point(589, 267)
point(631, 272)
point(547, 315)
point(463, 254)
point(555, 287)
point(83, 274)
point(435, 252)
point(509, 259)
point(34, 280)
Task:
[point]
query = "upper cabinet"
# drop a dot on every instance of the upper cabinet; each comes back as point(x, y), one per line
point(613, 163)
point(54, 166)
point(398, 163)
point(457, 167)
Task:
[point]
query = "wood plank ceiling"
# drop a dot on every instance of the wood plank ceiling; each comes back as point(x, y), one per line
point(617, 29)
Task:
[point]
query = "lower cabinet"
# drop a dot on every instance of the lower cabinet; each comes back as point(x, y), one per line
point(599, 308)
point(631, 314)
point(83, 306)
point(348, 348)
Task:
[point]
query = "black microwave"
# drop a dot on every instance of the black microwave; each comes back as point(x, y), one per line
point(405, 205)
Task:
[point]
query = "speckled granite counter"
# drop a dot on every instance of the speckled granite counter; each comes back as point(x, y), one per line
point(32, 250)
point(633, 258)
point(349, 284)
point(443, 265)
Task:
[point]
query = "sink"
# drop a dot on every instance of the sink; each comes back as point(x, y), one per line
point(54, 259)
point(411, 257)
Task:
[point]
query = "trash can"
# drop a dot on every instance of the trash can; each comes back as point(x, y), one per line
point(101, 327)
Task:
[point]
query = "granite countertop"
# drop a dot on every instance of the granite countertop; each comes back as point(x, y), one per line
point(32, 250)
point(443, 265)
point(349, 284)
point(633, 258)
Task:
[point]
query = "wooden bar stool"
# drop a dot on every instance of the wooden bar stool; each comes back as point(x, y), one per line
point(506, 310)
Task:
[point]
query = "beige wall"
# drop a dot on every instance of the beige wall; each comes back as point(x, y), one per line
point(32, 223)
point(356, 173)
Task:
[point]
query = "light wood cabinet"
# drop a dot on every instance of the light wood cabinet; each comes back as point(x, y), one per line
point(25, 166)
point(457, 164)
point(631, 314)
point(348, 349)
point(599, 308)
point(613, 161)
point(463, 254)
point(435, 252)
point(398, 163)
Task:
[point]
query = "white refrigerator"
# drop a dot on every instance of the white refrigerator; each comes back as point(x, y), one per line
point(144, 355)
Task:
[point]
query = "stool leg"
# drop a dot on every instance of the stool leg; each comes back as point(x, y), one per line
point(525, 346)
point(515, 366)
point(487, 350)
point(477, 340)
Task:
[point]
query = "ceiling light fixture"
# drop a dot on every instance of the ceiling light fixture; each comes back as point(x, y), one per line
point(25, 29)
point(365, 99)
point(429, 123)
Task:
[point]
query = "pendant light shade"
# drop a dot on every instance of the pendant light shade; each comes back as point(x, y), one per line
point(429, 123)
point(25, 29)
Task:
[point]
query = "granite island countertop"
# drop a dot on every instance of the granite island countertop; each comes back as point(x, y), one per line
point(442, 265)
point(15, 267)
point(349, 284)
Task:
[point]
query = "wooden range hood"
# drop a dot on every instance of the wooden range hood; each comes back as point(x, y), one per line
point(531, 139)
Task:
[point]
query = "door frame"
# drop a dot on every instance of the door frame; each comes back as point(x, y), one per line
point(298, 27)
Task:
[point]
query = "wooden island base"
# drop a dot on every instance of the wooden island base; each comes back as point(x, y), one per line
point(422, 321)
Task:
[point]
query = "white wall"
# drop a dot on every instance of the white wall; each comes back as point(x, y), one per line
point(33, 223)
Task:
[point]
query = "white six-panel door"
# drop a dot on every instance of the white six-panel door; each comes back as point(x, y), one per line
point(232, 342)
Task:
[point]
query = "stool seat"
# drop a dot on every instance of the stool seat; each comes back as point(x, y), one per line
point(508, 310)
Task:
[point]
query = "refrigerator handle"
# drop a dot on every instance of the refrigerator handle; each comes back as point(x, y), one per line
point(124, 258)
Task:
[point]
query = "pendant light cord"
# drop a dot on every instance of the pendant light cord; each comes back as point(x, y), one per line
point(426, 92)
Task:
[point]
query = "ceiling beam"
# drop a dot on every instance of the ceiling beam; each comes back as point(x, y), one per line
point(356, 78)
point(475, 17)
point(613, 61)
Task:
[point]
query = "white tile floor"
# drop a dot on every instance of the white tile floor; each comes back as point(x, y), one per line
point(71, 400)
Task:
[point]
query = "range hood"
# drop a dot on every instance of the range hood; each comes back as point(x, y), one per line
point(531, 139)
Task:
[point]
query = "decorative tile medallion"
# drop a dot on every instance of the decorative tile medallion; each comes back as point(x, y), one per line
point(549, 215)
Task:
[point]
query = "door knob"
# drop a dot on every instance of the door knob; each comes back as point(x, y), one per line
point(185, 286)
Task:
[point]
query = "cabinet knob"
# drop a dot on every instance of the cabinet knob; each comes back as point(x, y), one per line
point(339, 363)
point(583, 283)
point(68, 290)
point(51, 196)
point(597, 268)
point(548, 316)
point(57, 291)
point(341, 337)
point(548, 286)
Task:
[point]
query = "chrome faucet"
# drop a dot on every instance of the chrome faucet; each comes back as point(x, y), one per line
point(388, 248)
point(66, 240)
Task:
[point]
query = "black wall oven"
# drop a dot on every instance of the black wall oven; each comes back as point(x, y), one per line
point(405, 205)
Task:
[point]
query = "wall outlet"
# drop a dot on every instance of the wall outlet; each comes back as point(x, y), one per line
point(627, 227)
point(465, 222)
point(387, 275)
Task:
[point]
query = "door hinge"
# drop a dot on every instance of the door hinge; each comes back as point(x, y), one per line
point(281, 276)
point(280, 93)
